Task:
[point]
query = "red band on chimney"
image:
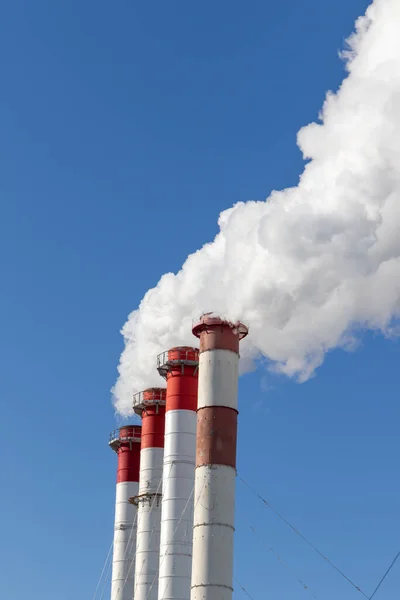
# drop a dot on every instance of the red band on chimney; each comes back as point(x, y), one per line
point(182, 379)
point(128, 454)
point(217, 334)
point(153, 426)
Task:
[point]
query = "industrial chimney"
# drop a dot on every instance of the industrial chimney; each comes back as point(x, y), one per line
point(150, 405)
point(126, 443)
point(214, 497)
point(179, 366)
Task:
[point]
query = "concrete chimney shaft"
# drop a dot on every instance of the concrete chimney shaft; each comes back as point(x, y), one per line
point(180, 368)
point(126, 443)
point(150, 405)
point(214, 497)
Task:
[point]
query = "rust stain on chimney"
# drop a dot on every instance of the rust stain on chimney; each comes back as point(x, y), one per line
point(216, 436)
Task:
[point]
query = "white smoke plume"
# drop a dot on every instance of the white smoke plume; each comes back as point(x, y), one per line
point(313, 264)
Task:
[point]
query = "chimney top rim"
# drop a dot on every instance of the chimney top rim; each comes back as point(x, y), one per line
point(207, 321)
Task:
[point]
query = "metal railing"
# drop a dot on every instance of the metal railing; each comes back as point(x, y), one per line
point(148, 497)
point(116, 439)
point(182, 357)
point(139, 402)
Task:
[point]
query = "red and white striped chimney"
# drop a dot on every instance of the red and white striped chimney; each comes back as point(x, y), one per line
point(214, 497)
point(126, 443)
point(150, 405)
point(180, 368)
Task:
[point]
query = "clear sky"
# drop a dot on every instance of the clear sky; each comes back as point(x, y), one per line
point(125, 129)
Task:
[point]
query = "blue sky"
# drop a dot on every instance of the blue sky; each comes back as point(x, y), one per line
point(126, 129)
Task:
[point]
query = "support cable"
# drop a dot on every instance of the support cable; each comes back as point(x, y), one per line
point(176, 528)
point(300, 581)
point(151, 535)
point(170, 543)
point(134, 541)
point(102, 571)
point(243, 588)
point(385, 575)
point(266, 503)
point(106, 579)
point(125, 553)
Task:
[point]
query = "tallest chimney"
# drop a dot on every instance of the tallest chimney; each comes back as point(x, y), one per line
point(214, 496)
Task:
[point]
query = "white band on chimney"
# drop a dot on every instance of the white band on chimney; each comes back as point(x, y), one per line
point(218, 379)
point(123, 569)
point(213, 533)
point(148, 527)
point(177, 505)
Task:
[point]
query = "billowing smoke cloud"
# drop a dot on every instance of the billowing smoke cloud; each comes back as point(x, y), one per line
point(312, 264)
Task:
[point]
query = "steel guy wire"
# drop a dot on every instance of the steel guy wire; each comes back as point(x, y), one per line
point(107, 575)
point(176, 528)
point(125, 553)
point(104, 568)
point(133, 541)
point(115, 591)
point(266, 503)
point(243, 588)
point(170, 543)
point(151, 535)
point(128, 545)
point(385, 575)
point(106, 579)
point(300, 581)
